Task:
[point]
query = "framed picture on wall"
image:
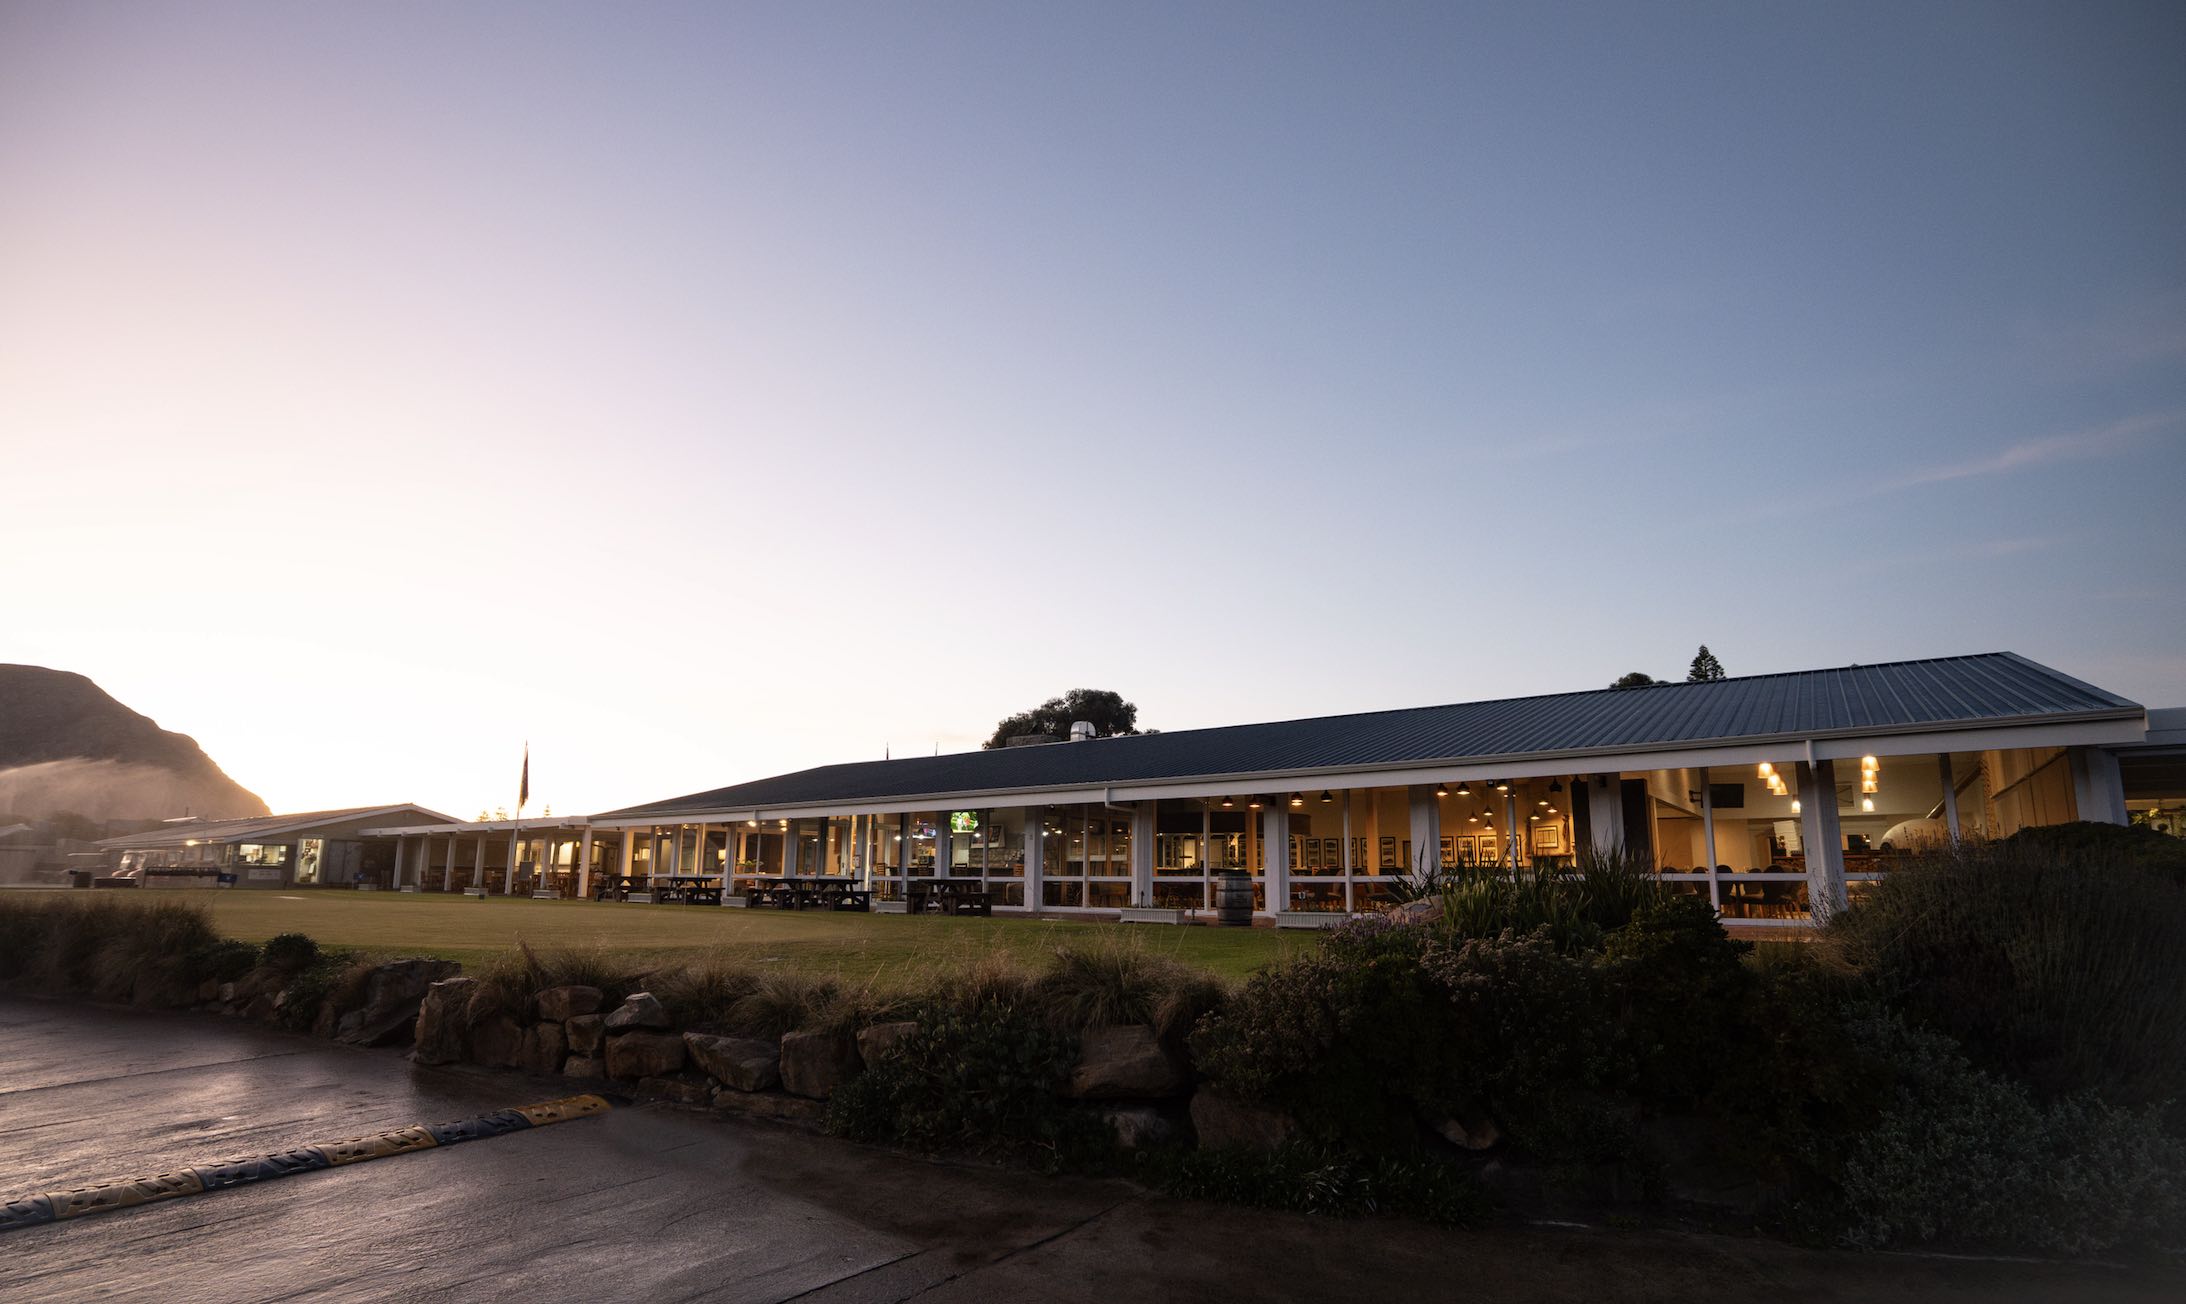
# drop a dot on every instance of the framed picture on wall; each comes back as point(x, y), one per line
point(1548, 837)
point(1389, 854)
point(1449, 851)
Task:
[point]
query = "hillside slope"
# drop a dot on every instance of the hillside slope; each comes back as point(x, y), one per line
point(67, 745)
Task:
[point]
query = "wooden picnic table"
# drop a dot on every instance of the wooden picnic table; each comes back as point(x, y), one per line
point(948, 896)
point(808, 891)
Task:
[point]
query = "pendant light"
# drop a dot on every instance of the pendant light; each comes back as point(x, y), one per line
point(1297, 800)
point(1555, 785)
point(1464, 789)
point(1442, 790)
point(1327, 796)
point(1229, 802)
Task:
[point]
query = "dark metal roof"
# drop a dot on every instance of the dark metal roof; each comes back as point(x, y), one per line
point(1987, 689)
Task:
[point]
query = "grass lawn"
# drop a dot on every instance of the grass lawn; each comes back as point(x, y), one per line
point(885, 949)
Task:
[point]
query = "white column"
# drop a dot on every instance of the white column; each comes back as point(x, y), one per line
point(1950, 794)
point(2098, 790)
point(401, 846)
point(1605, 811)
point(508, 877)
point(628, 857)
point(1511, 832)
point(1350, 890)
point(478, 863)
point(789, 843)
point(1707, 837)
point(1035, 855)
point(1142, 853)
point(584, 866)
point(1426, 829)
point(698, 850)
point(1821, 838)
point(1275, 853)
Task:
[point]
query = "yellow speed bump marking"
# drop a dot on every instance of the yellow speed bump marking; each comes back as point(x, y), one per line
point(54, 1206)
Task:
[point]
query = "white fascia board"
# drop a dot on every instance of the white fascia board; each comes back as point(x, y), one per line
point(548, 822)
point(2110, 730)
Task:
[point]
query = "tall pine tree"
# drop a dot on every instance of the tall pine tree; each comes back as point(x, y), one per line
point(1705, 668)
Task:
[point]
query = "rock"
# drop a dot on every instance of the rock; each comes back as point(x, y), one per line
point(636, 1055)
point(561, 1004)
point(497, 1041)
point(684, 1089)
point(1137, 1126)
point(879, 1041)
point(638, 1010)
point(323, 1025)
point(585, 1032)
point(227, 993)
point(209, 990)
point(583, 1066)
point(392, 994)
point(280, 999)
point(443, 1021)
point(545, 1047)
point(772, 1106)
point(815, 1063)
point(261, 1007)
point(743, 1063)
point(1426, 910)
point(1125, 1063)
point(1470, 1131)
point(1227, 1123)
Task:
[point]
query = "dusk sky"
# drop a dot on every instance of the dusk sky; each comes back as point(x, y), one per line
point(702, 392)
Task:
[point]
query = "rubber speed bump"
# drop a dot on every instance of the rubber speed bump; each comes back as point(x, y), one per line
point(54, 1206)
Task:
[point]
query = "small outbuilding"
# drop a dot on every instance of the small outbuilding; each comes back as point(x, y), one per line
point(310, 849)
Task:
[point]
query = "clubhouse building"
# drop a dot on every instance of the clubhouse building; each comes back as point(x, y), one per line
point(1777, 797)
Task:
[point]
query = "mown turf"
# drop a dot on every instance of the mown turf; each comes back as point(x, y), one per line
point(882, 948)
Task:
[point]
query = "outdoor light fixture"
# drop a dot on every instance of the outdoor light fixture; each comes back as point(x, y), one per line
point(1297, 799)
point(1254, 803)
point(1228, 802)
point(1464, 789)
point(1327, 796)
point(1555, 785)
point(1442, 790)
point(1768, 771)
point(1472, 819)
point(1502, 785)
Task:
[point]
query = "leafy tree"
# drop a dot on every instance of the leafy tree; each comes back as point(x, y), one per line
point(1637, 679)
point(1109, 714)
point(1705, 668)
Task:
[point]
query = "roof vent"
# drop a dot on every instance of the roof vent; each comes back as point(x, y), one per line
point(1029, 740)
point(1081, 730)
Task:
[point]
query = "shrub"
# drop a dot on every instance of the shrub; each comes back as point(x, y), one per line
point(2052, 960)
point(106, 946)
point(1302, 1177)
point(1119, 979)
point(291, 952)
point(1385, 1027)
point(2135, 845)
point(1960, 1155)
point(1578, 907)
point(983, 1078)
point(224, 960)
point(1678, 988)
point(310, 986)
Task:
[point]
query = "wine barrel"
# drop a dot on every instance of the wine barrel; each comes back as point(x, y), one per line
point(1233, 899)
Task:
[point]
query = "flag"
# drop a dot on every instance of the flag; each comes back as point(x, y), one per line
point(523, 785)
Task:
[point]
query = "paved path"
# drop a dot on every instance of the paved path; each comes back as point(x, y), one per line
point(658, 1204)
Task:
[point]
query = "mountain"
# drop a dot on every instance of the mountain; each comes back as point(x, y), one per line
point(66, 745)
